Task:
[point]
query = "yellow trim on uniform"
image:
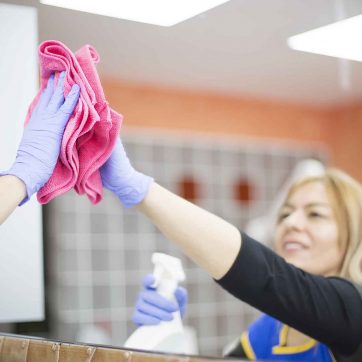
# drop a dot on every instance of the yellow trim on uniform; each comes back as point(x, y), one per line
point(283, 349)
point(331, 354)
point(248, 349)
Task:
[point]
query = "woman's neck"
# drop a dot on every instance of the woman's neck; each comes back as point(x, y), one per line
point(296, 338)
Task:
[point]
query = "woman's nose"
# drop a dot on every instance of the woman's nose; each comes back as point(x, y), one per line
point(295, 220)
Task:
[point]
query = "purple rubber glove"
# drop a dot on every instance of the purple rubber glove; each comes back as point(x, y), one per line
point(120, 177)
point(152, 308)
point(39, 148)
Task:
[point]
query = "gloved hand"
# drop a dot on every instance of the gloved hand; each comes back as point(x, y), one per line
point(39, 148)
point(152, 308)
point(120, 177)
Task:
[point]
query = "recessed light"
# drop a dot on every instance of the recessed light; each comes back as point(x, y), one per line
point(157, 12)
point(342, 39)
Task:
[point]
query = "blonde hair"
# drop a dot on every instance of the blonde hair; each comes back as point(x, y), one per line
point(345, 194)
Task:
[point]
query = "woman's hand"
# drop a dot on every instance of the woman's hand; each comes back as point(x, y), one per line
point(39, 148)
point(120, 177)
point(152, 308)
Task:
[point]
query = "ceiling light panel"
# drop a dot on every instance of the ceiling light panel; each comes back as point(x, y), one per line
point(157, 12)
point(342, 39)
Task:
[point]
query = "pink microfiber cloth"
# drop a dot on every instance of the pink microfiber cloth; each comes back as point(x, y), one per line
point(92, 130)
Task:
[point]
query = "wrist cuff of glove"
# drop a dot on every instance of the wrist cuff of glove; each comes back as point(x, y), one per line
point(132, 196)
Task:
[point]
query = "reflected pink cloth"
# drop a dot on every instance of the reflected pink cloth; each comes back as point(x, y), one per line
point(92, 130)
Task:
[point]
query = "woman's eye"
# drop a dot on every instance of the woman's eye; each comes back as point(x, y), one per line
point(315, 214)
point(283, 216)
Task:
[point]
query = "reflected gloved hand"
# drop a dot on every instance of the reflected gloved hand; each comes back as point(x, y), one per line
point(152, 308)
point(39, 148)
point(120, 177)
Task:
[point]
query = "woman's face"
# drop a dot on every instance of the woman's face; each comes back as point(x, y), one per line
point(307, 233)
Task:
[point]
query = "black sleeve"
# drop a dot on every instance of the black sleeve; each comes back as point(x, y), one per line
point(326, 309)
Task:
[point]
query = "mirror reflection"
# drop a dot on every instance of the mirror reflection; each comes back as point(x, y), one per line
point(236, 111)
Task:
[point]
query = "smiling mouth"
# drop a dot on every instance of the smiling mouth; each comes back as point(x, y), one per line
point(293, 246)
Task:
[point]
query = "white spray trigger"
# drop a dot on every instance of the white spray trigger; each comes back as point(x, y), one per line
point(167, 336)
point(157, 274)
point(168, 272)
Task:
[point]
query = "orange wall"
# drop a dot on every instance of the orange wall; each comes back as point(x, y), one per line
point(346, 139)
point(340, 129)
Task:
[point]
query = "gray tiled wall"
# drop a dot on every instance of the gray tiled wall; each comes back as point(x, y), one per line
point(97, 255)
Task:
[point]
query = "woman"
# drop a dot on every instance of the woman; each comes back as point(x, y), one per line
point(318, 231)
point(323, 307)
point(313, 285)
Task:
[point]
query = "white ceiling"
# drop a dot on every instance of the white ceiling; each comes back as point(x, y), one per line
point(238, 48)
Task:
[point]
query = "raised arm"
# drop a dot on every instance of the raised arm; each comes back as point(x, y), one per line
point(327, 309)
point(12, 192)
point(208, 240)
point(39, 149)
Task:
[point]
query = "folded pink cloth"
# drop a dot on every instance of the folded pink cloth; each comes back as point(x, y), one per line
point(92, 130)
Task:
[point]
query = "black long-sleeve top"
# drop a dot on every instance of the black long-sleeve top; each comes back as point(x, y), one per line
point(328, 309)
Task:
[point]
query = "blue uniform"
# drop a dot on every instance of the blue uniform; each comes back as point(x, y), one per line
point(266, 339)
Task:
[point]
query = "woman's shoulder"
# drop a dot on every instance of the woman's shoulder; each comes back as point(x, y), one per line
point(356, 285)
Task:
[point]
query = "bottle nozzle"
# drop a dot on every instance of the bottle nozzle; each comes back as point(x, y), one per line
point(168, 273)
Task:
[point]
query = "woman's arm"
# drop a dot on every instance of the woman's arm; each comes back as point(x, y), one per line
point(208, 240)
point(327, 309)
point(39, 148)
point(12, 192)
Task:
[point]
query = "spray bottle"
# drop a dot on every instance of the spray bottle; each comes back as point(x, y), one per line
point(168, 336)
